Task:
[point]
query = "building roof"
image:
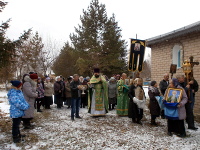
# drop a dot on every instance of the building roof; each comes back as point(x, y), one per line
point(176, 33)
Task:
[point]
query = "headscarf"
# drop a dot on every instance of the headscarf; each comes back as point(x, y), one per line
point(175, 82)
point(153, 83)
point(152, 88)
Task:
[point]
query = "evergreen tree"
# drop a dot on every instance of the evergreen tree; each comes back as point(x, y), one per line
point(8, 47)
point(65, 63)
point(98, 39)
point(113, 48)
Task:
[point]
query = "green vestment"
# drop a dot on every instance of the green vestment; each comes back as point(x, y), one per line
point(122, 98)
point(98, 96)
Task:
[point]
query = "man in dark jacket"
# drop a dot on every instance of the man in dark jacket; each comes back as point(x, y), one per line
point(163, 86)
point(58, 91)
point(76, 94)
point(189, 110)
point(194, 88)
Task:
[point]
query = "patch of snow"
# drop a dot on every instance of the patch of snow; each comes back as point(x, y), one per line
point(55, 130)
point(4, 105)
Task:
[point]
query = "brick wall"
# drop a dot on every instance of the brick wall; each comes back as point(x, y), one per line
point(161, 59)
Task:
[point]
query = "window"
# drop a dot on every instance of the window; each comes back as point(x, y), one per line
point(177, 55)
point(179, 59)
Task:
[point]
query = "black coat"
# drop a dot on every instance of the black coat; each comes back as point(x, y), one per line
point(154, 106)
point(163, 86)
point(131, 94)
point(59, 88)
point(133, 111)
point(74, 89)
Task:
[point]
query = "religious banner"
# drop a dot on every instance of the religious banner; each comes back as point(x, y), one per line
point(136, 56)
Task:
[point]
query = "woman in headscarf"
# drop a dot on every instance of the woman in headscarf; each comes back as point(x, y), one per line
point(30, 94)
point(48, 93)
point(138, 100)
point(112, 93)
point(176, 124)
point(153, 104)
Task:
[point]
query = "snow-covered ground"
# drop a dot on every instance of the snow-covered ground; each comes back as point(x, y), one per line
point(55, 130)
point(4, 105)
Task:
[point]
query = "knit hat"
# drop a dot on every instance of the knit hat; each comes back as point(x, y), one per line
point(48, 78)
point(87, 78)
point(34, 76)
point(153, 83)
point(16, 83)
point(112, 78)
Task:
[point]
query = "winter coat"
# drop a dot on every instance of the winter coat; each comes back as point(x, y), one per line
point(29, 91)
point(153, 104)
point(112, 90)
point(139, 98)
point(40, 90)
point(59, 88)
point(17, 103)
point(181, 110)
point(74, 89)
point(48, 89)
point(67, 90)
point(163, 86)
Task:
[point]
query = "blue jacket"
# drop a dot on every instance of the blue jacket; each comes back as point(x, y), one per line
point(17, 103)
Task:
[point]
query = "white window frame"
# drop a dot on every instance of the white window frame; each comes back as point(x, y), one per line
point(177, 55)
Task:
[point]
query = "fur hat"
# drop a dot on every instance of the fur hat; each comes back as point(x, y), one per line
point(96, 70)
point(16, 83)
point(34, 76)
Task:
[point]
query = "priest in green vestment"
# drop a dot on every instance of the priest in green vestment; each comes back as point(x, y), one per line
point(98, 94)
point(122, 97)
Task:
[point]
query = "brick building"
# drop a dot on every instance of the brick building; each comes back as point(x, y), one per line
point(173, 48)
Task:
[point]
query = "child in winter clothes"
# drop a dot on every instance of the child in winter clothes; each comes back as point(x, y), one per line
point(17, 106)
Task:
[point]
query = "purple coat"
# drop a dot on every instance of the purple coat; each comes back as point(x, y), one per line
point(181, 110)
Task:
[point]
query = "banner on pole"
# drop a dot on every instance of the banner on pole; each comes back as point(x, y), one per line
point(136, 56)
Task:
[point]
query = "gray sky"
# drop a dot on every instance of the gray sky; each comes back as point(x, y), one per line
point(56, 19)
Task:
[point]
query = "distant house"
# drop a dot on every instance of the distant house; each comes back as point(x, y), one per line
point(173, 48)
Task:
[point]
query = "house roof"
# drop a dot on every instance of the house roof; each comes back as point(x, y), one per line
point(176, 33)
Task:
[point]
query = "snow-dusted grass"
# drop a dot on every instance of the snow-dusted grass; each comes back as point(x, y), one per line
point(55, 130)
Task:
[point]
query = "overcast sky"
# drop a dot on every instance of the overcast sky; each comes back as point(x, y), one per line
point(56, 19)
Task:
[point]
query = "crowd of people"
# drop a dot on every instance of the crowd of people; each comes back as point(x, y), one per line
point(101, 95)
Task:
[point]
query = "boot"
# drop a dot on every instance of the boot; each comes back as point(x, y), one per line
point(27, 124)
point(22, 136)
point(134, 120)
point(113, 106)
point(16, 139)
point(39, 110)
point(139, 121)
point(153, 122)
point(110, 107)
